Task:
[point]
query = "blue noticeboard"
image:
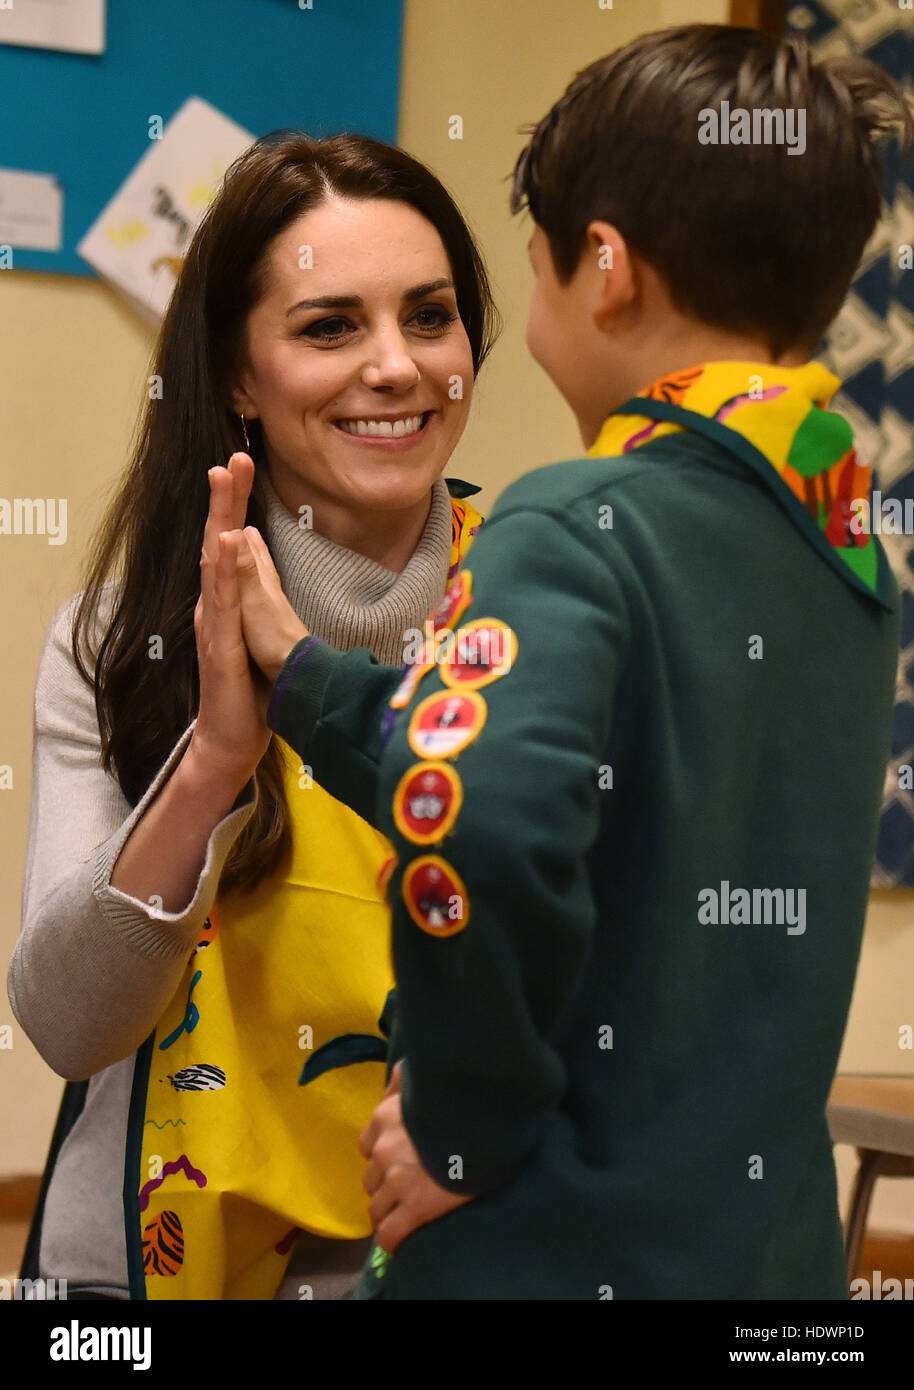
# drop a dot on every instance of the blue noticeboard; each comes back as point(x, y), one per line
point(266, 64)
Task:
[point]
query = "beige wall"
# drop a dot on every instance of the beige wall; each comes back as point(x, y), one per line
point(72, 368)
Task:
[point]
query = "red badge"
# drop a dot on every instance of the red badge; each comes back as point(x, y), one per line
point(484, 651)
point(455, 601)
point(427, 801)
point(443, 724)
point(435, 896)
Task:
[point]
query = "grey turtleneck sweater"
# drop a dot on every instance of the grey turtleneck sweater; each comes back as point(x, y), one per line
point(89, 957)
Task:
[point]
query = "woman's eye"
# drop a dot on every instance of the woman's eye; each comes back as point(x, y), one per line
point(431, 320)
point(326, 329)
point(434, 318)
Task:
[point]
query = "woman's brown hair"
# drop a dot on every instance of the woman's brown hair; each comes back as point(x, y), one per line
point(148, 547)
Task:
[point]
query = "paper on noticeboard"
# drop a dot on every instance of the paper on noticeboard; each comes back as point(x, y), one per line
point(138, 242)
point(75, 26)
point(31, 210)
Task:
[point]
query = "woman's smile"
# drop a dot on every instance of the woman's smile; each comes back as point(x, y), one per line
point(386, 432)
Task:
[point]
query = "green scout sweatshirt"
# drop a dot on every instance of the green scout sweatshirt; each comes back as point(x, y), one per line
point(634, 839)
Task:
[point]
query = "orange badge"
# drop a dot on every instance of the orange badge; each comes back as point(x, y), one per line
point(385, 872)
point(455, 602)
point(404, 691)
point(435, 896)
point(443, 724)
point(427, 801)
point(484, 651)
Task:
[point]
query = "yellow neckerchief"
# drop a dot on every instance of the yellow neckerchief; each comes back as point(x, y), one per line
point(781, 412)
point(263, 1070)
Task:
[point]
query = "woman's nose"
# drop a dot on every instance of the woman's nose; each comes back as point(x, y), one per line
point(389, 362)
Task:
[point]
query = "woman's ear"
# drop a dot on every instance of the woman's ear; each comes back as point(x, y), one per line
point(243, 401)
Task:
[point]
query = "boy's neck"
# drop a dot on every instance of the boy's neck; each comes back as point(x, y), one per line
point(693, 345)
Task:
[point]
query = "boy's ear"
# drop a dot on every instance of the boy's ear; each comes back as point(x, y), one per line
point(614, 275)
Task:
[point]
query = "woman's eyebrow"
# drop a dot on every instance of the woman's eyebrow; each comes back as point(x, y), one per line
point(354, 301)
point(430, 287)
point(328, 301)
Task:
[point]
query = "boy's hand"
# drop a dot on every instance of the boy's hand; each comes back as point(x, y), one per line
point(270, 624)
point(403, 1195)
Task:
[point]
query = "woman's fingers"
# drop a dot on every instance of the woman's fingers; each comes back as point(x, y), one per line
point(231, 721)
point(229, 489)
point(226, 594)
point(225, 651)
point(255, 602)
point(221, 498)
point(262, 558)
point(219, 514)
point(241, 468)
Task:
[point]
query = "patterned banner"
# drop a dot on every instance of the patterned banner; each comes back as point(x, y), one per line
point(871, 347)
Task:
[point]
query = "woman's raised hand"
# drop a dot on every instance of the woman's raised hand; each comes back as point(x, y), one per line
point(231, 734)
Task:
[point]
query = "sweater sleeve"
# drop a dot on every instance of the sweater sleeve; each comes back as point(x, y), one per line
point(493, 923)
point(332, 708)
point(93, 968)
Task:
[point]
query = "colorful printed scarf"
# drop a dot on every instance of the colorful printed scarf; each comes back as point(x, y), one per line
point(781, 412)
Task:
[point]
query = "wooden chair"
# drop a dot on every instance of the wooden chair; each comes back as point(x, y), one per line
point(876, 1115)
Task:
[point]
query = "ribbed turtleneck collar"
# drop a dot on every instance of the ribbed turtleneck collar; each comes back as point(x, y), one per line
point(346, 598)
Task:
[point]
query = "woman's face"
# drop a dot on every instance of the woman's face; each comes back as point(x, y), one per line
point(358, 365)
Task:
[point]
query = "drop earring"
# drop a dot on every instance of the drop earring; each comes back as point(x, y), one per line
point(247, 442)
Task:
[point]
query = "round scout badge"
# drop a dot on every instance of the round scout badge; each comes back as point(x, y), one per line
point(484, 651)
point(427, 801)
point(435, 896)
point(443, 724)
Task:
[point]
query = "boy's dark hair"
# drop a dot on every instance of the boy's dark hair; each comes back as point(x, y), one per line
point(747, 237)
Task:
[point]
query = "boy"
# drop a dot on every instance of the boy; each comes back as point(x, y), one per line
point(634, 805)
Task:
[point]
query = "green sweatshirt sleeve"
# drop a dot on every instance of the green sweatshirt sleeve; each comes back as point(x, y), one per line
point(480, 1004)
point(329, 705)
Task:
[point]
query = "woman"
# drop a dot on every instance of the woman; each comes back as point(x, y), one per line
point(204, 930)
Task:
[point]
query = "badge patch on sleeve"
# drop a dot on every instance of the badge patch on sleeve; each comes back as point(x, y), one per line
point(427, 801)
point(443, 724)
point(455, 601)
point(404, 691)
point(435, 896)
point(484, 651)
